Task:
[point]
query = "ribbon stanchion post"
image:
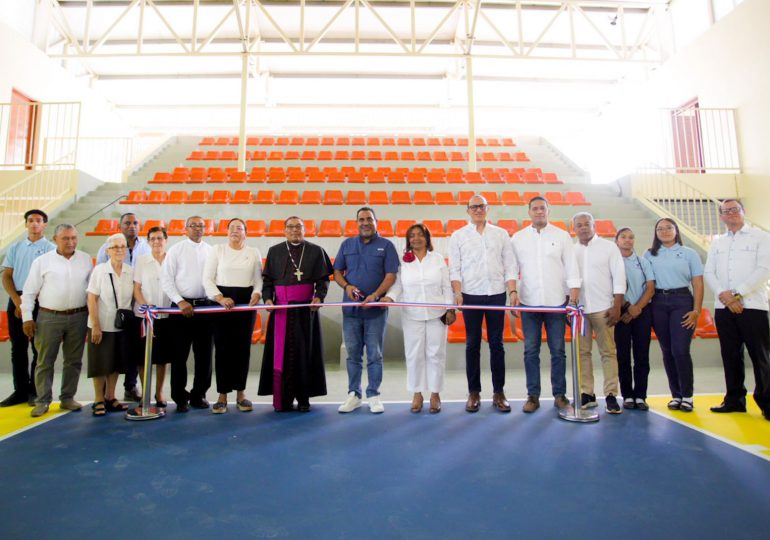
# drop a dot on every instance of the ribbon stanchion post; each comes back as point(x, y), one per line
point(146, 411)
point(576, 413)
point(575, 314)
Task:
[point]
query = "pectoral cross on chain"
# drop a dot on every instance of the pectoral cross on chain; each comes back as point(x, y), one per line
point(298, 273)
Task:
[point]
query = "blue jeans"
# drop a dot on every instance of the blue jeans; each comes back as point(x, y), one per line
point(674, 340)
point(555, 325)
point(370, 333)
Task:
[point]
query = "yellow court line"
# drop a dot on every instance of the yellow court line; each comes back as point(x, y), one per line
point(748, 431)
point(16, 419)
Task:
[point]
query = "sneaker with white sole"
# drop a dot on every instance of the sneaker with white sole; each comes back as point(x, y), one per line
point(351, 403)
point(611, 405)
point(375, 405)
point(588, 401)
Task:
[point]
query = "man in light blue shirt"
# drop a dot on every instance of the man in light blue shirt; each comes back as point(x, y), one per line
point(17, 263)
point(137, 246)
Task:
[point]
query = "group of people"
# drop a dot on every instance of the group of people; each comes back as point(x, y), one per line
point(57, 299)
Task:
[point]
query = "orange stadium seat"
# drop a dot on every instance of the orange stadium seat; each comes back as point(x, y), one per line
point(457, 156)
point(177, 197)
point(512, 198)
point(217, 175)
point(275, 155)
point(255, 227)
point(527, 196)
point(464, 196)
point(437, 176)
point(415, 177)
point(258, 175)
point(356, 177)
point(291, 154)
point(376, 177)
point(407, 156)
point(342, 155)
point(424, 156)
point(418, 141)
point(378, 198)
point(374, 155)
point(105, 227)
point(531, 178)
point(288, 196)
point(423, 197)
point(135, 197)
point(195, 155)
point(149, 224)
point(473, 178)
point(351, 228)
point(455, 176)
point(397, 177)
point(157, 197)
point(176, 227)
point(310, 197)
point(221, 228)
point(356, 197)
point(385, 227)
point(388, 141)
point(276, 175)
point(358, 155)
point(400, 197)
point(333, 196)
point(605, 227)
point(198, 197)
point(237, 177)
point(297, 141)
point(555, 198)
point(456, 331)
point(316, 176)
point(402, 225)
point(448, 141)
point(330, 228)
point(404, 141)
point(436, 227)
point(511, 177)
point(228, 155)
point(310, 229)
point(521, 156)
point(706, 328)
point(267, 141)
point(252, 141)
point(358, 141)
point(373, 141)
point(276, 228)
point(576, 198)
point(211, 155)
point(491, 197)
point(282, 141)
point(309, 155)
point(312, 141)
point(551, 178)
point(444, 197)
point(433, 141)
point(327, 141)
point(510, 225)
point(265, 196)
point(219, 196)
point(207, 141)
point(343, 141)
point(222, 141)
point(198, 175)
point(241, 196)
point(161, 178)
point(296, 176)
point(334, 175)
point(453, 224)
point(325, 155)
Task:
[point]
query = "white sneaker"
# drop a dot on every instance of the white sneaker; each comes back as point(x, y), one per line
point(351, 403)
point(375, 405)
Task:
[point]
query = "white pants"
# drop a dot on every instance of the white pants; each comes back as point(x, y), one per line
point(425, 347)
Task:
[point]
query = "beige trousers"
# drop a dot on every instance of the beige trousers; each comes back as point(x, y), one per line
point(597, 322)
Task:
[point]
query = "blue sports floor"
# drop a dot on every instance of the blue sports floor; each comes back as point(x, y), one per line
point(361, 476)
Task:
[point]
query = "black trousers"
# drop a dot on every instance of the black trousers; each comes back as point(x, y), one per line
point(634, 337)
point(495, 320)
point(749, 330)
point(232, 340)
point(194, 332)
point(134, 347)
point(23, 373)
point(674, 340)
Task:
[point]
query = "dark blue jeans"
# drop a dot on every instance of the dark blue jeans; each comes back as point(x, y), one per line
point(555, 325)
point(495, 321)
point(674, 339)
point(634, 337)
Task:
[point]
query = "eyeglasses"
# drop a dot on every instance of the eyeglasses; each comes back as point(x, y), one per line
point(118, 247)
point(474, 207)
point(731, 210)
point(293, 227)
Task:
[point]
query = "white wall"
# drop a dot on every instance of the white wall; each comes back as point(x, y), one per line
point(27, 69)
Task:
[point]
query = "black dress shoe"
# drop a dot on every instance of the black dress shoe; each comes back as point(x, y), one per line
point(199, 403)
point(729, 407)
point(14, 399)
point(182, 407)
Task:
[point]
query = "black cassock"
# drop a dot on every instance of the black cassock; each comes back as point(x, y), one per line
point(299, 372)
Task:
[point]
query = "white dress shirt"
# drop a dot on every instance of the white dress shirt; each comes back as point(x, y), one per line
point(481, 262)
point(230, 267)
point(740, 262)
point(56, 283)
point(603, 273)
point(147, 274)
point(425, 281)
point(181, 274)
point(548, 265)
point(100, 285)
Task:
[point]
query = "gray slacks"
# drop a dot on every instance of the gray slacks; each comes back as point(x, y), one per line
point(52, 330)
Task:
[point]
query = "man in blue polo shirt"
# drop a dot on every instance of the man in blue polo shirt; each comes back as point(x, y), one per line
point(365, 267)
point(17, 263)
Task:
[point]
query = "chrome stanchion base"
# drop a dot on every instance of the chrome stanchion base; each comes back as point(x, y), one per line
point(580, 415)
point(151, 413)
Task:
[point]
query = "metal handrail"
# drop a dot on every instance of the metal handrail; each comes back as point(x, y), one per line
point(122, 196)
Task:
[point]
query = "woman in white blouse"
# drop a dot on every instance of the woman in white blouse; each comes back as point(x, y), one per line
point(424, 278)
point(232, 276)
point(110, 288)
point(147, 291)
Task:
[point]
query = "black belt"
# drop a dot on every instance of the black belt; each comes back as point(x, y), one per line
point(197, 301)
point(64, 311)
point(680, 290)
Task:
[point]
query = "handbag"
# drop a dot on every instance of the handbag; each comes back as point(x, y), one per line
point(122, 316)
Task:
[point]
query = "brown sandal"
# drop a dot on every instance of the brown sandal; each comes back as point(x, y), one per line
point(416, 403)
point(435, 403)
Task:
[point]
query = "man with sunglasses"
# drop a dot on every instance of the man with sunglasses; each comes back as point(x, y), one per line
point(483, 271)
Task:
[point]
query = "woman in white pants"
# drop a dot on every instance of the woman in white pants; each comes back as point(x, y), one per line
point(423, 278)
